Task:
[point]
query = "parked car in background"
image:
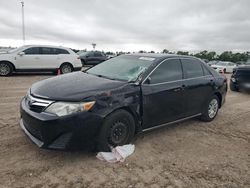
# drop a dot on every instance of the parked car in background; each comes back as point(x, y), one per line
point(92, 57)
point(33, 58)
point(112, 102)
point(240, 78)
point(109, 56)
point(224, 66)
point(212, 63)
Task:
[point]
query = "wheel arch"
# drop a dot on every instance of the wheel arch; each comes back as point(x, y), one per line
point(66, 63)
point(218, 94)
point(135, 115)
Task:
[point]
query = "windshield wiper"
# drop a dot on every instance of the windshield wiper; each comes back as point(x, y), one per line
point(101, 76)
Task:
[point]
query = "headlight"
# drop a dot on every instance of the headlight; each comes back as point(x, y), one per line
point(66, 108)
point(233, 79)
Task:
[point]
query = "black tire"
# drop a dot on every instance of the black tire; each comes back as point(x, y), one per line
point(118, 129)
point(66, 68)
point(232, 87)
point(6, 69)
point(207, 115)
point(225, 70)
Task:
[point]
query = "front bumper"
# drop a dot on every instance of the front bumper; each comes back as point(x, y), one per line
point(53, 132)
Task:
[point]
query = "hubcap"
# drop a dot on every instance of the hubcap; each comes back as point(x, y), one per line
point(4, 69)
point(213, 108)
point(118, 133)
point(66, 69)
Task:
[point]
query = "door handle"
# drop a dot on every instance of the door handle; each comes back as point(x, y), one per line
point(37, 58)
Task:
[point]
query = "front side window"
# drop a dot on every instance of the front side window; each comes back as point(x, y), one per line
point(168, 71)
point(32, 51)
point(192, 68)
point(124, 67)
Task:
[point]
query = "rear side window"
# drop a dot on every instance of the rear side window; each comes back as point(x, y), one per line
point(98, 54)
point(61, 51)
point(192, 68)
point(168, 71)
point(48, 51)
point(32, 51)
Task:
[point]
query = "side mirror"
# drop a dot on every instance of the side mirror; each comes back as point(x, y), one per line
point(21, 53)
point(87, 56)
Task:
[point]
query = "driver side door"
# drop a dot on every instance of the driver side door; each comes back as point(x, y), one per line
point(30, 59)
point(163, 96)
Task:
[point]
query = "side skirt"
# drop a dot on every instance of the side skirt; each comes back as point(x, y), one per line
point(169, 123)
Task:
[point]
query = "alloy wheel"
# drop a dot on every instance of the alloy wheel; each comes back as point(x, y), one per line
point(66, 69)
point(4, 69)
point(213, 108)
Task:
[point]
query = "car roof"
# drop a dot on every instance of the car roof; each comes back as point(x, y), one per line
point(160, 56)
point(48, 46)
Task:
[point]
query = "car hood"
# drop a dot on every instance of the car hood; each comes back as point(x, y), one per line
point(73, 87)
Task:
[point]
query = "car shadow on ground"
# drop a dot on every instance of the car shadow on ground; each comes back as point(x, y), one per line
point(33, 74)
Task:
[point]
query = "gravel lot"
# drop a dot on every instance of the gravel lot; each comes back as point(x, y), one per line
point(189, 154)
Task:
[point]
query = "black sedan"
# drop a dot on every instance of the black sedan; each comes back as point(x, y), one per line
point(112, 102)
point(92, 58)
point(240, 79)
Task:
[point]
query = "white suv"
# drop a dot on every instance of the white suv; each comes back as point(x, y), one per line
point(39, 58)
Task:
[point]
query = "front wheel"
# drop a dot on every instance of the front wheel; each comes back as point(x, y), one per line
point(118, 129)
point(66, 68)
point(211, 109)
point(6, 69)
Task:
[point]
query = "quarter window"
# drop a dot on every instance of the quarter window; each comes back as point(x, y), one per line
point(61, 51)
point(192, 68)
point(168, 71)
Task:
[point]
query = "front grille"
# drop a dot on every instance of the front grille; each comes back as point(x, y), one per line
point(37, 104)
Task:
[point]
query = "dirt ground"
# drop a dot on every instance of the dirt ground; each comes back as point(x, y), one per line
point(188, 154)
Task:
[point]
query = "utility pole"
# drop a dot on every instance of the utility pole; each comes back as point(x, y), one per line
point(23, 27)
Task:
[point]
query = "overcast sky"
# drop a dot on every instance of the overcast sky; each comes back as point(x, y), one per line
point(129, 25)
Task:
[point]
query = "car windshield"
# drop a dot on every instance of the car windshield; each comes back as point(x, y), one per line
point(124, 67)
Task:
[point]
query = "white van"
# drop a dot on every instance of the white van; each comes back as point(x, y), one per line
point(39, 58)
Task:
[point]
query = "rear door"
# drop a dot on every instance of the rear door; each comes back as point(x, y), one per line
point(163, 94)
point(198, 83)
point(49, 58)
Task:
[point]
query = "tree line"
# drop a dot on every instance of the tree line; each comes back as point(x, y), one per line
point(212, 55)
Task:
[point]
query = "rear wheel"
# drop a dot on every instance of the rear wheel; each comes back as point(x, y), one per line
point(66, 68)
point(211, 109)
point(6, 69)
point(117, 129)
